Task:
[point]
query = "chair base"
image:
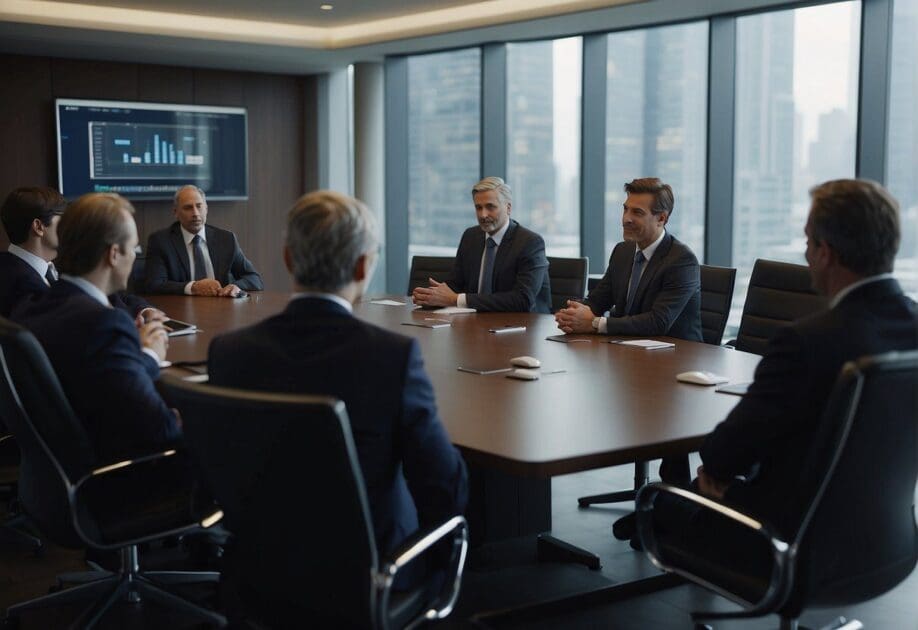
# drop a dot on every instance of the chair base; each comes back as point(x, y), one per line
point(551, 549)
point(793, 624)
point(641, 477)
point(10, 534)
point(105, 588)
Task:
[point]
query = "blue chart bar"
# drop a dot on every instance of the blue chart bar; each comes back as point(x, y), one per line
point(180, 156)
point(165, 152)
point(146, 157)
point(156, 148)
point(171, 154)
point(126, 158)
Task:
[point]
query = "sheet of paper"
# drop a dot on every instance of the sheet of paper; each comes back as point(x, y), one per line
point(649, 344)
point(388, 302)
point(453, 310)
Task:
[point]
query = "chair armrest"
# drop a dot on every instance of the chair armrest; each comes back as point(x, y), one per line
point(414, 548)
point(730, 344)
point(783, 554)
point(138, 500)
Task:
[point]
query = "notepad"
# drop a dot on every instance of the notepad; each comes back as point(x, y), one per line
point(567, 339)
point(647, 344)
point(737, 389)
point(428, 324)
point(453, 310)
point(388, 302)
point(176, 328)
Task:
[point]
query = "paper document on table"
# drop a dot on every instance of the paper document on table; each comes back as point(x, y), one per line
point(388, 302)
point(453, 310)
point(649, 344)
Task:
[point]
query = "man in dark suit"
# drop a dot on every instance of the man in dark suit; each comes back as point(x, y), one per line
point(105, 364)
point(30, 216)
point(652, 285)
point(192, 258)
point(754, 459)
point(414, 476)
point(500, 265)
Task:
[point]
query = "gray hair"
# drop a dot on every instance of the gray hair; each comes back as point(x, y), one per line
point(327, 232)
point(178, 193)
point(504, 194)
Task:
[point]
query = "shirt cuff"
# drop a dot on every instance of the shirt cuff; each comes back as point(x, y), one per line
point(152, 354)
point(603, 326)
point(188, 288)
point(460, 301)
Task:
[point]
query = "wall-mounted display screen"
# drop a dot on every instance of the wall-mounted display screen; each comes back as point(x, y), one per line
point(150, 150)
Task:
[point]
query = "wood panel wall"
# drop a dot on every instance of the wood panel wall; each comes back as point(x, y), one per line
point(277, 117)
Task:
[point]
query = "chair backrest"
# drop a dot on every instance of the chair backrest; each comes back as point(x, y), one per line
point(284, 469)
point(716, 297)
point(55, 449)
point(424, 267)
point(858, 538)
point(568, 278)
point(137, 281)
point(779, 293)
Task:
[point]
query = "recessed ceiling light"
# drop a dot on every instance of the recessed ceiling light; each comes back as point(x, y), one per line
point(326, 7)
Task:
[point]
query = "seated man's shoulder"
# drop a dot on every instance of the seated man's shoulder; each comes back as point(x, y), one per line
point(682, 250)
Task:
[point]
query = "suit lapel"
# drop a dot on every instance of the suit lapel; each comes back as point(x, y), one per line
point(181, 251)
point(474, 265)
point(213, 249)
point(503, 251)
point(655, 264)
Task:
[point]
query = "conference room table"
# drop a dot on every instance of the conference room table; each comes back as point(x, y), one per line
point(596, 404)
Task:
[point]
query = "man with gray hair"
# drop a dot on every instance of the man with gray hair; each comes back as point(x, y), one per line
point(192, 258)
point(500, 265)
point(414, 476)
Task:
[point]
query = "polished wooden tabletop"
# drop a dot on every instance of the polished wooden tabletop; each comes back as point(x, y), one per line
point(612, 404)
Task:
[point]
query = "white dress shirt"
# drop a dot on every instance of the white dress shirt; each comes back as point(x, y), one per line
point(189, 247)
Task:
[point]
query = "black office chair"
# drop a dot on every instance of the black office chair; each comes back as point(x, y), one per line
point(779, 293)
point(856, 534)
point(716, 296)
point(284, 467)
point(13, 529)
point(137, 281)
point(70, 499)
point(568, 278)
point(424, 267)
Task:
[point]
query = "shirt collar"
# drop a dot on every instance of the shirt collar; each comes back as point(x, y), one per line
point(838, 297)
point(39, 264)
point(331, 297)
point(650, 249)
point(188, 235)
point(498, 236)
point(88, 287)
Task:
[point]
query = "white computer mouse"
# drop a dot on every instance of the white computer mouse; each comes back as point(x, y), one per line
point(701, 378)
point(525, 362)
point(524, 375)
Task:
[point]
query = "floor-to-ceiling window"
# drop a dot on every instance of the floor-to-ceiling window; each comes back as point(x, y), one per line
point(543, 139)
point(902, 140)
point(796, 126)
point(656, 105)
point(444, 121)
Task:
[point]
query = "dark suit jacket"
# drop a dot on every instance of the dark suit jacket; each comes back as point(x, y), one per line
point(768, 434)
point(19, 281)
point(520, 271)
point(316, 347)
point(168, 268)
point(668, 298)
point(108, 380)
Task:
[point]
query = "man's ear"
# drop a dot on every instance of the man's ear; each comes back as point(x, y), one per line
point(111, 256)
point(362, 268)
point(288, 259)
point(664, 217)
point(509, 208)
point(38, 228)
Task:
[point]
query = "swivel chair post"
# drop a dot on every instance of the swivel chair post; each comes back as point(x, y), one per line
point(641, 478)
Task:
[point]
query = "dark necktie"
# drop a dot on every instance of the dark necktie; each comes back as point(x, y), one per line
point(636, 268)
point(200, 270)
point(51, 274)
point(487, 276)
